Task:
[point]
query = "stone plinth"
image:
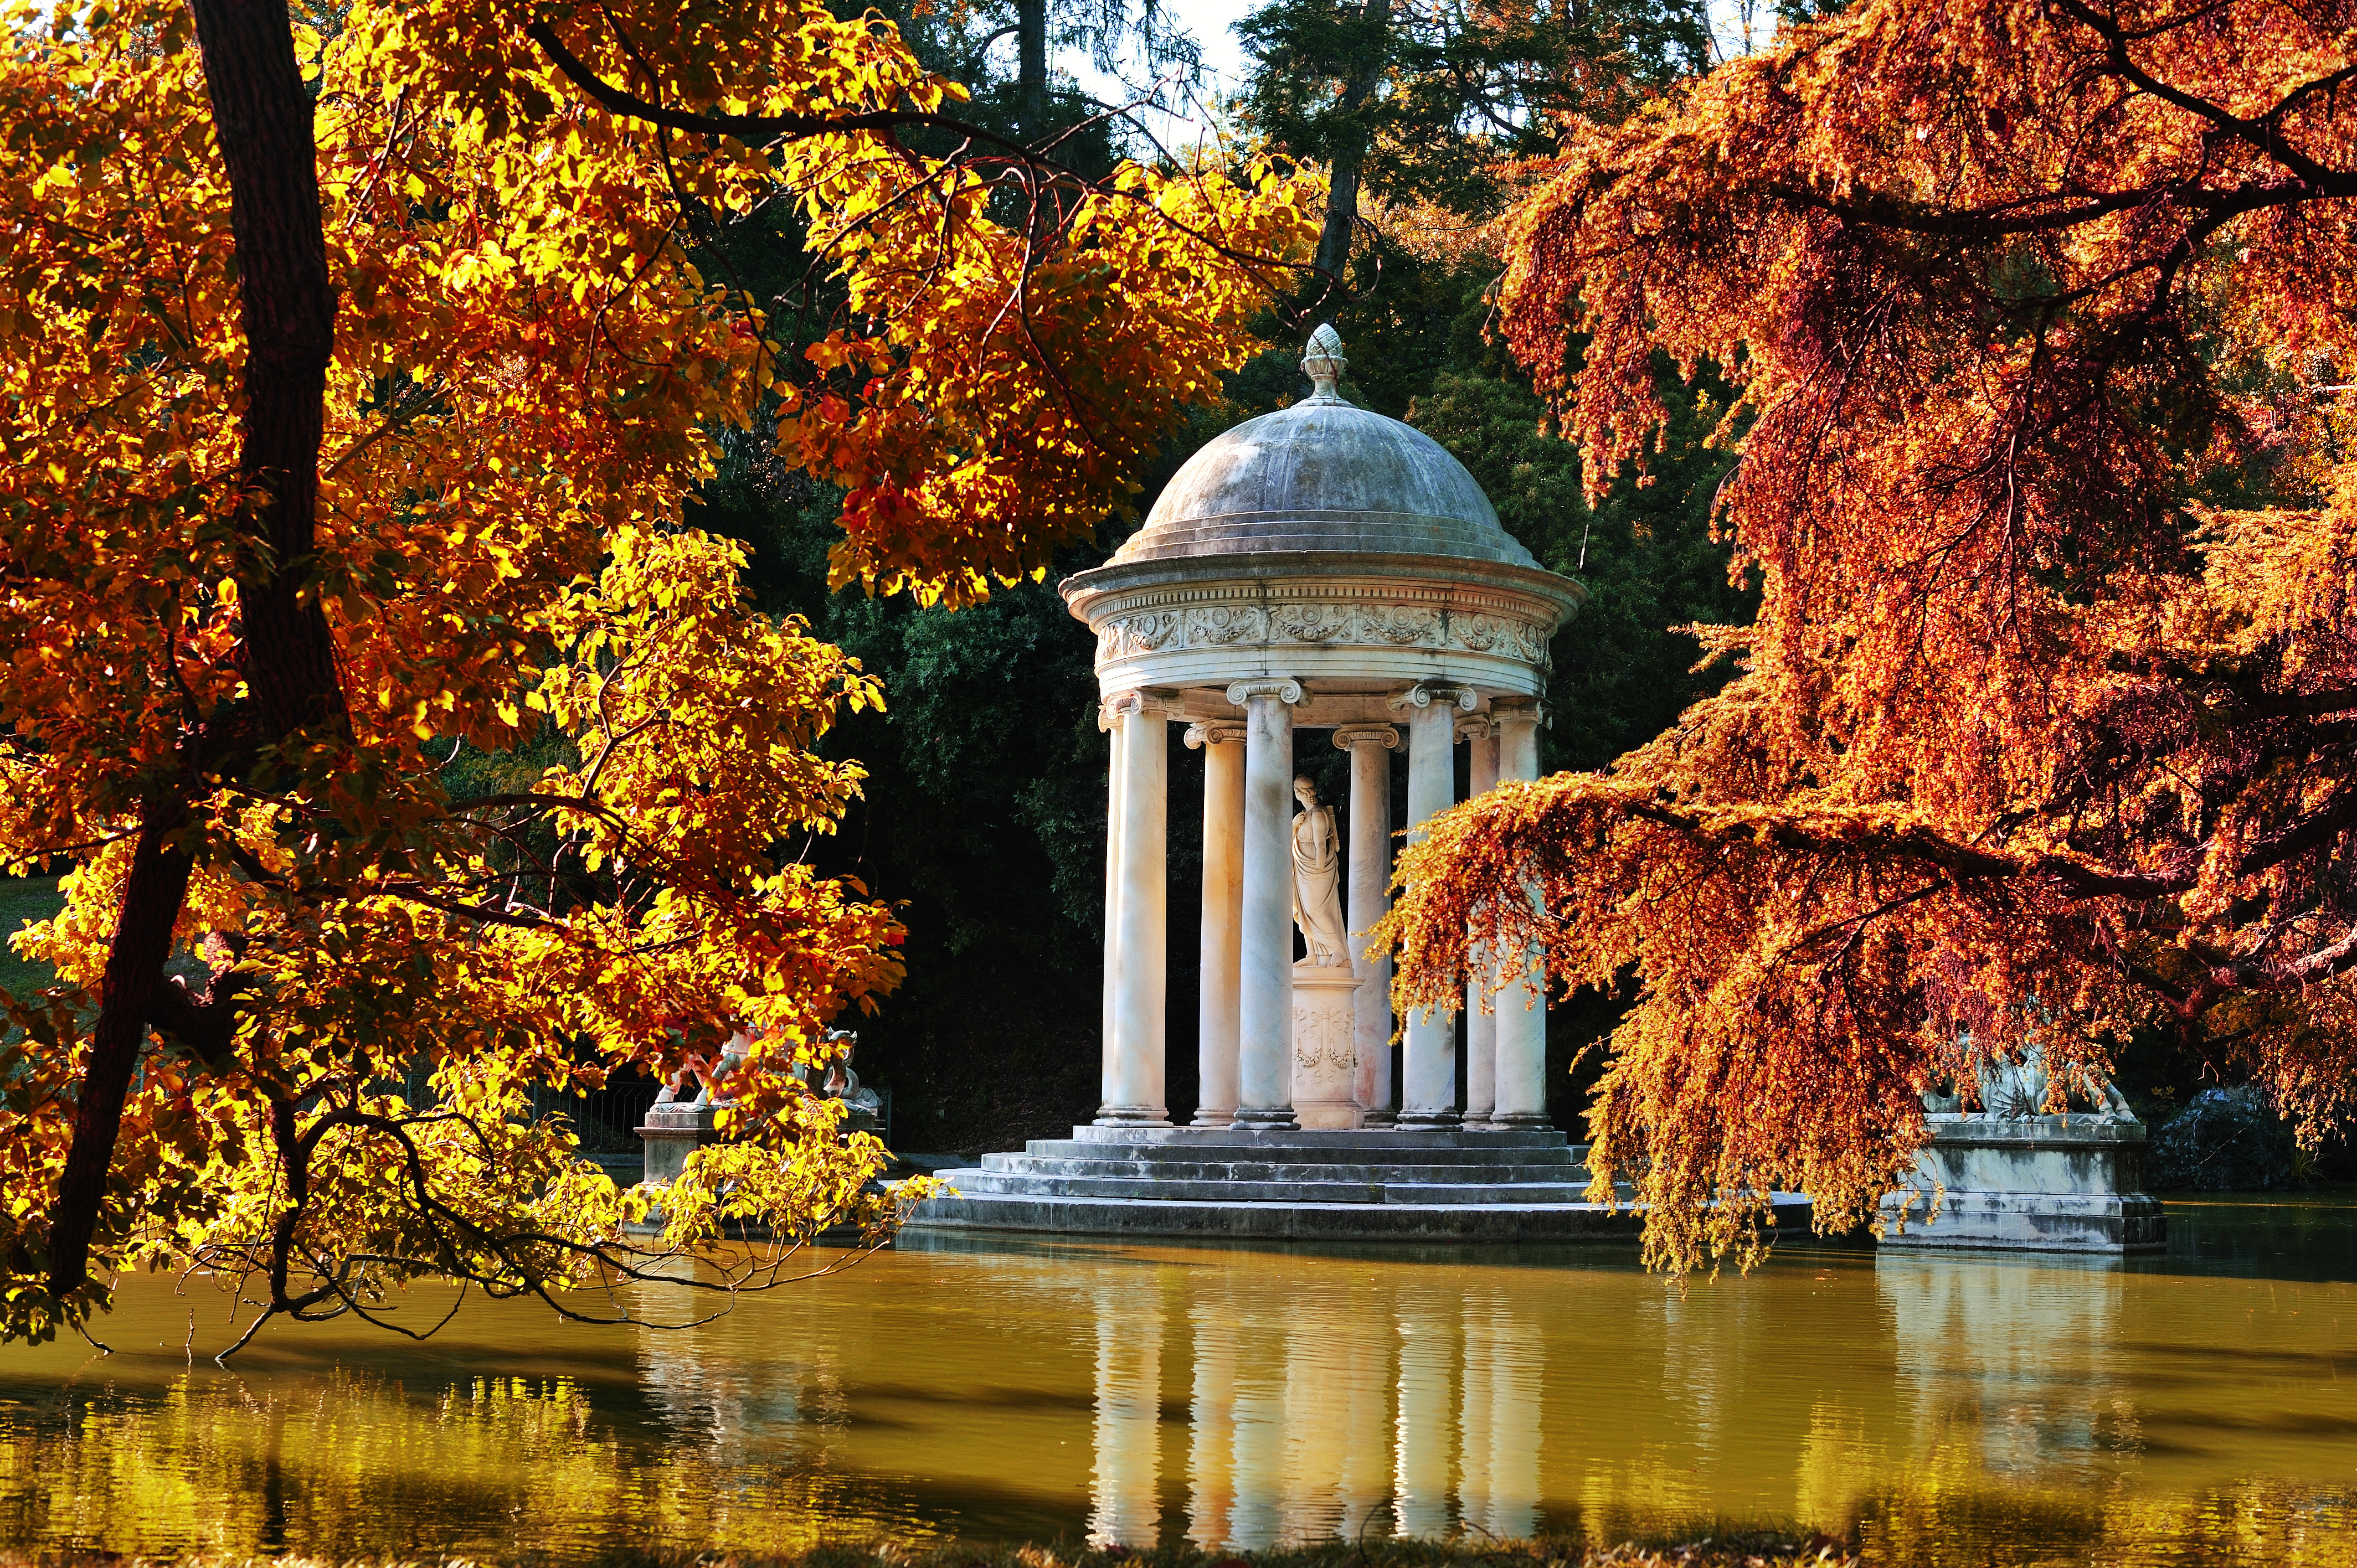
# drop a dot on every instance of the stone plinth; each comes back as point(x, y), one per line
point(2046, 1184)
point(672, 1132)
point(1325, 1048)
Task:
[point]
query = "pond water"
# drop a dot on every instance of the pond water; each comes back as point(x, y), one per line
point(2201, 1407)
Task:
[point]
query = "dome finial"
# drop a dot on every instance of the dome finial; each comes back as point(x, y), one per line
point(1323, 364)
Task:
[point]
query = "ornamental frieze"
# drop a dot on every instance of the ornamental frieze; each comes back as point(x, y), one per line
point(1319, 623)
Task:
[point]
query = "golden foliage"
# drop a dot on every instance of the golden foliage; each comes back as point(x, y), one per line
point(526, 373)
point(2037, 314)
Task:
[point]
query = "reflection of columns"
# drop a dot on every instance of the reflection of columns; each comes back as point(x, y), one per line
point(1521, 1018)
point(1223, 894)
point(1125, 1504)
point(1427, 1356)
point(1366, 1424)
point(1212, 1415)
point(1316, 1398)
point(1476, 1411)
point(1133, 1086)
point(1480, 737)
point(1264, 1002)
point(1260, 1478)
point(1371, 897)
point(1517, 1373)
point(1428, 1094)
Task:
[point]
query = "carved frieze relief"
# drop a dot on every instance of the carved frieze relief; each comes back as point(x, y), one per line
point(1216, 626)
point(1311, 623)
point(1139, 629)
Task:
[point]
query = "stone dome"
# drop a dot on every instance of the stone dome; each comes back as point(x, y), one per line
point(1324, 475)
point(1327, 546)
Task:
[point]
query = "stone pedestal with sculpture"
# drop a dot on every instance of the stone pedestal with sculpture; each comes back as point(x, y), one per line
point(2018, 1175)
point(1320, 568)
point(675, 1128)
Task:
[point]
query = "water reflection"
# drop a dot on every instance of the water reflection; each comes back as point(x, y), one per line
point(1942, 1410)
point(2018, 1358)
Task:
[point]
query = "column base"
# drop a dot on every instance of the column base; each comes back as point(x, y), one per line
point(1379, 1117)
point(1275, 1119)
point(1213, 1119)
point(1430, 1119)
point(1473, 1123)
point(1523, 1120)
point(1132, 1116)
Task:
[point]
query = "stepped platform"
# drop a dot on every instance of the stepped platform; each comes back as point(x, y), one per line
point(1367, 1184)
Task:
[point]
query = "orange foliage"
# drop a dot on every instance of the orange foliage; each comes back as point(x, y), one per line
point(2038, 312)
point(354, 427)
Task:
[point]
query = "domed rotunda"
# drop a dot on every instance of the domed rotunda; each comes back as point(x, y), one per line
point(1320, 568)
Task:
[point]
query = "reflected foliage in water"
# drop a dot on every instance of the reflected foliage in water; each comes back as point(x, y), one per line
point(1936, 1409)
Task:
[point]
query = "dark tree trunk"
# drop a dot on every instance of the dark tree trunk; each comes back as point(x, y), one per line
point(261, 118)
point(134, 969)
point(1342, 183)
point(1031, 67)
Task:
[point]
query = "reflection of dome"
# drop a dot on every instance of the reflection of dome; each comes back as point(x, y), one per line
point(1324, 475)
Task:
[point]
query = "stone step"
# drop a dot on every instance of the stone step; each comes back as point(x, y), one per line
point(1021, 1185)
point(1413, 1222)
point(1166, 1168)
point(1363, 1150)
point(1334, 1138)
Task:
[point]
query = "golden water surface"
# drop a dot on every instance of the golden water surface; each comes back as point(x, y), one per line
point(2196, 1408)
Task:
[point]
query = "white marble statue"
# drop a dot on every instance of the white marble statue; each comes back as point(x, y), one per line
point(2015, 1091)
point(1318, 881)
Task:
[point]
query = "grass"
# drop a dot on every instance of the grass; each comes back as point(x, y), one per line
point(1724, 1551)
point(22, 899)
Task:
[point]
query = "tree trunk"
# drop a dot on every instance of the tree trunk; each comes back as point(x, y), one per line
point(261, 118)
point(135, 968)
point(262, 121)
point(1031, 70)
point(1342, 181)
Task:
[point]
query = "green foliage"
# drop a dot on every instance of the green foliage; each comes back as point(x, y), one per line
point(1622, 672)
point(23, 900)
point(1450, 93)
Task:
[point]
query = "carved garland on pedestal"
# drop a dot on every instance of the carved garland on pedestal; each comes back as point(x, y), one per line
point(1319, 1032)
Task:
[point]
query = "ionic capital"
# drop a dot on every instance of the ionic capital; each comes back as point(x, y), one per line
point(1284, 690)
point(1153, 705)
point(1424, 693)
point(1214, 732)
point(1521, 710)
point(1351, 736)
point(1476, 726)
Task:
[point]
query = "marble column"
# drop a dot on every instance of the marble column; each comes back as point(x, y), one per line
point(1265, 997)
point(1109, 723)
point(1521, 1017)
point(1479, 735)
point(1429, 1089)
point(1220, 954)
point(1132, 1085)
point(1369, 746)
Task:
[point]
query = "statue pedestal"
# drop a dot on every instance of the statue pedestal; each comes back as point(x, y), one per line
point(672, 1132)
point(1325, 1054)
point(2033, 1184)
